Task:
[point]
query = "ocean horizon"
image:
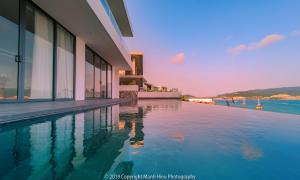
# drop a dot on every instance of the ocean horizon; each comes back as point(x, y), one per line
point(281, 106)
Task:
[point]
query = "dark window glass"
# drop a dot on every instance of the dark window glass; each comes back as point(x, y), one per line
point(89, 74)
point(103, 79)
point(9, 29)
point(97, 76)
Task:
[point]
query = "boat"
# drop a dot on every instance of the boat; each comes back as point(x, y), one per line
point(259, 105)
point(244, 102)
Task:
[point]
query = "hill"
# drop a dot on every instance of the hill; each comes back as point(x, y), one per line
point(266, 93)
point(185, 97)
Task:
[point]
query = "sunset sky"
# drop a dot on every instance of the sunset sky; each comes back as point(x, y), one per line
point(209, 47)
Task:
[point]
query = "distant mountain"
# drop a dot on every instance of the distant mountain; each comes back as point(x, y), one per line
point(188, 96)
point(291, 91)
point(185, 97)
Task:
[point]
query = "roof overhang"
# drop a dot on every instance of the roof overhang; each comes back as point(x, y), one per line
point(88, 20)
point(119, 11)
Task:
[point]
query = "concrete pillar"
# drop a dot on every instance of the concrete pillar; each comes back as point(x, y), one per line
point(80, 70)
point(115, 115)
point(115, 82)
point(78, 140)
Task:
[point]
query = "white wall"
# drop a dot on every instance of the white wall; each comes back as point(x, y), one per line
point(80, 70)
point(79, 140)
point(115, 115)
point(115, 82)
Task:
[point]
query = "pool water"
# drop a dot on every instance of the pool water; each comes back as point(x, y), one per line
point(154, 137)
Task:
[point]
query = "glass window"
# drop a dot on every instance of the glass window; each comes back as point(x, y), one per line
point(38, 55)
point(89, 74)
point(97, 76)
point(65, 64)
point(109, 81)
point(9, 29)
point(103, 79)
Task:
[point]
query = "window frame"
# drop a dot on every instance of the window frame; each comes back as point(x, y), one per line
point(56, 25)
point(93, 64)
point(54, 78)
point(109, 65)
point(106, 64)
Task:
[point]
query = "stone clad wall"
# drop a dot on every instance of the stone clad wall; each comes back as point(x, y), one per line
point(132, 92)
point(129, 95)
point(159, 95)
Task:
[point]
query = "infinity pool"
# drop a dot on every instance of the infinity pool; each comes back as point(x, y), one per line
point(162, 138)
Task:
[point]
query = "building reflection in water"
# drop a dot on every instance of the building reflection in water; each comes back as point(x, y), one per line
point(56, 147)
point(131, 118)
point(81, 145)
point(131, 121)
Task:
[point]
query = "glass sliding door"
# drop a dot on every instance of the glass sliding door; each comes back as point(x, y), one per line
point(9, 41)
point(29, 44)
point(38, 55)
point(89, 74)
point(64, 64)
point(97, 76)
point(103, 79)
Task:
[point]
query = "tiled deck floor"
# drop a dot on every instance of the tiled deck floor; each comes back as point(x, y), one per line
point(21, 111)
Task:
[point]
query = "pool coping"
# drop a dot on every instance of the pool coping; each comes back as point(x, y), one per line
point(16, 112)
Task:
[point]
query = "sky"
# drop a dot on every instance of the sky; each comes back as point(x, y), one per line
point(210, 47)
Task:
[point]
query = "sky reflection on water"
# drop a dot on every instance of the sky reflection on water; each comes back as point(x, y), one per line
point(154, 137)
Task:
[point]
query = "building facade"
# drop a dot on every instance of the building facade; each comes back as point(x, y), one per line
point(135, 76)
point(134, 86)
point(62, 49)
point(137, 64)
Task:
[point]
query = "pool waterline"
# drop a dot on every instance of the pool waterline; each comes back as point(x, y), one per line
point(154, 137)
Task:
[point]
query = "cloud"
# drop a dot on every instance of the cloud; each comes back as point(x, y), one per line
point(238, 49)
point(266, 41)
point(296, 33)
point(178, 59)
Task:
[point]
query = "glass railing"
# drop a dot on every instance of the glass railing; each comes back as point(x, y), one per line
point(113, 21)
point(111, 16)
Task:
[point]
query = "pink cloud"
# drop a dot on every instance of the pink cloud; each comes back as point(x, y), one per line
point(266, 41)
point(178, 59)
point(238, 49)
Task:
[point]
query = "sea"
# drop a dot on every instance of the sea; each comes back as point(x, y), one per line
point(281, 106)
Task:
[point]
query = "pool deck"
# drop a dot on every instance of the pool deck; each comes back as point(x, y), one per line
point(14, 112)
